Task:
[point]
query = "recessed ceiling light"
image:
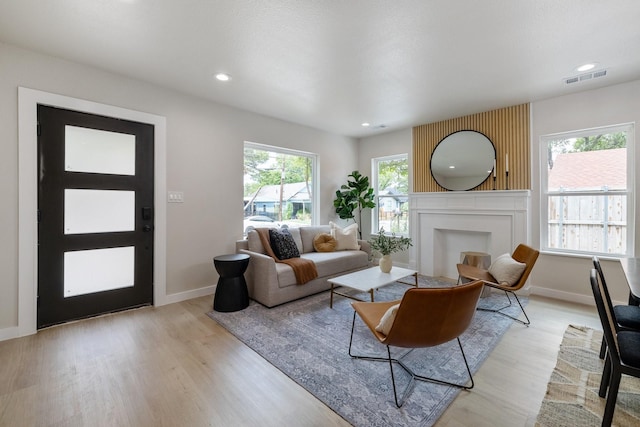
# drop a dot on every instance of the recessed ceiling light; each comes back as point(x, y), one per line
point(586, 67)
point(365, 124)
point(452, 167)
point(223, 77)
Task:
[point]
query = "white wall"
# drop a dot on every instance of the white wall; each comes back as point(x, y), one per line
point(557, 275)
point(386, 144)
point(204, 160)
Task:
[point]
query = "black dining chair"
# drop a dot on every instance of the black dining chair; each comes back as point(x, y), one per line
point(627, 317)
point(623, 351)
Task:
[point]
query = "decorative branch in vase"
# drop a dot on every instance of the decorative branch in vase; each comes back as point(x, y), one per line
point(386, 245)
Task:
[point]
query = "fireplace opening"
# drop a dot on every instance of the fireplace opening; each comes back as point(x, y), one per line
point(450, 244)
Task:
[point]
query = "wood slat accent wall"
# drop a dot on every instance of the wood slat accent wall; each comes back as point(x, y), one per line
point(507, 128)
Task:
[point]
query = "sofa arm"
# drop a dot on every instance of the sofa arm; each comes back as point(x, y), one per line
point(365, 246)
point(261, 274)
point(241, 244)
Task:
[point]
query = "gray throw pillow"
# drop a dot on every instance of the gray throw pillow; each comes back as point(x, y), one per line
point(282, 243)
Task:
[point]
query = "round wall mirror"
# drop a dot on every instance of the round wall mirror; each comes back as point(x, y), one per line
point(463, 160)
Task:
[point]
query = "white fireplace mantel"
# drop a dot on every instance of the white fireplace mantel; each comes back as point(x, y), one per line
point(445, 224)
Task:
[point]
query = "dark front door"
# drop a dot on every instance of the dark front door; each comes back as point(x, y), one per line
point(95, 210)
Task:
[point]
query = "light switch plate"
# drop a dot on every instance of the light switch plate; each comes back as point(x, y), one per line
point(176, 197)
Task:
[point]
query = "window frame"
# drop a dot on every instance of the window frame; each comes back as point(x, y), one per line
point(375, 212)
point(545, 194)
point(315, 172)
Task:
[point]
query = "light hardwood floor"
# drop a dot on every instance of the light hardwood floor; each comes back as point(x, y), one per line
point(173, 366)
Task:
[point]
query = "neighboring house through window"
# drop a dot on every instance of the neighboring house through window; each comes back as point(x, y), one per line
point(280, 186)
point(391, 185)
point(588, 192)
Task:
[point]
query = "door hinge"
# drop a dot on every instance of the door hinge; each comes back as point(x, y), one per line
point(39, 215)
point(38, 129)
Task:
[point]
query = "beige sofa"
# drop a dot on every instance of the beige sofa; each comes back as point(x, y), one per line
point(272, 283)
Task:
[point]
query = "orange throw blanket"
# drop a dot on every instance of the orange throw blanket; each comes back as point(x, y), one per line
point(304, 269)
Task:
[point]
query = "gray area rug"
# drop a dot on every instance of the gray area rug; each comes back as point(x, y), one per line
point(572, 393)
point(309, 342)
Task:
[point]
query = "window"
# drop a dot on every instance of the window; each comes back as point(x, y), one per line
point(391, 185)
point(280, 186)
point(588, 191)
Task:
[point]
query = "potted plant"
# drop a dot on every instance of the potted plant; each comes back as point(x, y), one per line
point(355, 194)
point(387, 244)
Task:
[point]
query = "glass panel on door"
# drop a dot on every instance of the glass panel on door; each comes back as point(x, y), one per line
point(99, 151)
point(97, 270)
point(98, 211)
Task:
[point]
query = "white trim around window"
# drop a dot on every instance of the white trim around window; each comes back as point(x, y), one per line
point(629, 192)
point(315, 172)
point(375, 215)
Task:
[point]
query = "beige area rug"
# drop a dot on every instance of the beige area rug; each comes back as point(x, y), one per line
point(572, 393)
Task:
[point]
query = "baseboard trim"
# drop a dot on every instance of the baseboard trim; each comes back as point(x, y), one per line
point(194, 293)
point(9, 333)
point(564, 296)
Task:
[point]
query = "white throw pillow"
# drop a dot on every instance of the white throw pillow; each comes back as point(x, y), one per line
point(387, 320)
point(506, 269)
point(346, 238)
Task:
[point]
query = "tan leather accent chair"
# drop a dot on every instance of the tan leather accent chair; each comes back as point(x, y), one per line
point(522, 253)
point(426, 317)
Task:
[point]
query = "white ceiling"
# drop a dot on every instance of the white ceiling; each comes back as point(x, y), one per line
point(334, 64)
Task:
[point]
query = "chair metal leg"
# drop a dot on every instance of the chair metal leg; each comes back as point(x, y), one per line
point(353, 323)
point(407, 389)
point(414, 376)
point(393, 379)
point(499, 310)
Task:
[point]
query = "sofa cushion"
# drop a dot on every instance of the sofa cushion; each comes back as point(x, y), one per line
point(328, 264)
point(282, 243)
point(308, 233)
point(323, 242)
point(295, 233)
point(346, 237)
point(254, 242)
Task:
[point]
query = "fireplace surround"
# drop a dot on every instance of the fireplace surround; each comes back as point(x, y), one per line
point(444, 224)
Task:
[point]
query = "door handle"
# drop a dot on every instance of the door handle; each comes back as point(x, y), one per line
point(146, 228)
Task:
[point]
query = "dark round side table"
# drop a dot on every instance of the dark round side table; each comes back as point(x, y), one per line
point(231, 292)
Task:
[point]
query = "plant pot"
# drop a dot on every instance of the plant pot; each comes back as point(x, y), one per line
point(385, 263)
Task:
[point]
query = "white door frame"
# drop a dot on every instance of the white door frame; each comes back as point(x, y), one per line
point(28, 100)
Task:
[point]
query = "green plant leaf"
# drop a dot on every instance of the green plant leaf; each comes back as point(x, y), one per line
point(357, 195)
point(389, 244)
